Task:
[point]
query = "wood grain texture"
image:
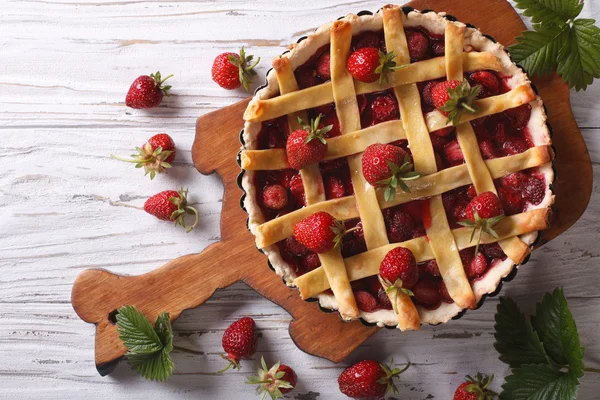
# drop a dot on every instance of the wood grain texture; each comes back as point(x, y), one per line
point(66, 207)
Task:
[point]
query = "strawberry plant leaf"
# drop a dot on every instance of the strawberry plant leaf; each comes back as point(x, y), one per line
point(550, 11)
point(537, 51)
point(148, 347)
point(579, 58)
point(539, 382)
point(556, 328)
point(516, 341)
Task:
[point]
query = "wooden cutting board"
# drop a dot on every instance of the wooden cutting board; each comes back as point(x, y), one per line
point(189, 281)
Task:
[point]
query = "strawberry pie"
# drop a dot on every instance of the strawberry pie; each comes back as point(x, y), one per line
point(397, 166)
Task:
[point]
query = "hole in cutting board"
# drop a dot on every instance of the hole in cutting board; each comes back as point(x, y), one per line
point(112, 316)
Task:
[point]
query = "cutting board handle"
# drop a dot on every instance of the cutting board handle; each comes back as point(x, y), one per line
point(183, 283)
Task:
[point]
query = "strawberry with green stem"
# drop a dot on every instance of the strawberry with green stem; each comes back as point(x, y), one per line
point(398, 271)
point(369, 64)
point(453, 98)
point(385, 165)
point(482, 213)
point(275, 381)
point(230, 70)
point(171, 205)
point(147, 91)
point(307, 145)
point(321, 232)
point(475, 389)
point(154, 156)
point(369, 380)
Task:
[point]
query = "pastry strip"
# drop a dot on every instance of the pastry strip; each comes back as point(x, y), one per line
point(448, 179)
point(386, 132)
point(332, 261)
point(406, 312)
point(314, 96)
point(367, 264)
point(437, 227)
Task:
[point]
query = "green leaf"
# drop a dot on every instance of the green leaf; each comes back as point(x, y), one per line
point(556, 328)
point(516, 342)
point(579, 58)
point(136, 332)
point(539, 382)
point(537, 51)
point(148, 346)
point(550, 11)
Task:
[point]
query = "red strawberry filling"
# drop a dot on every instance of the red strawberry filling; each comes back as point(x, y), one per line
point(498, 135)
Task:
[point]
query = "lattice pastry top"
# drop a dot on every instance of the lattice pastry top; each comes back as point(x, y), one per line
point(502, 145)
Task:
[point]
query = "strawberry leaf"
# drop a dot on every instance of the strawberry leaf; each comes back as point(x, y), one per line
point(539, 382)
point(148, 347)
point(558, 331)
point(537, 51)
point(550, 11)
point(579, 58)
point(516, 341)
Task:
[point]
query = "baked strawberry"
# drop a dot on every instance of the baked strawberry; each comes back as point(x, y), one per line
point(171, 205)
point(476, 267)
point(432, 268)
point(482, 213)
point(427, 293)
point(307, 145)
point(275, 381)
point(332, 120)
point(514, 145)
point(400, 226)
point(445, 294)
point(155, 155)
point(369, 380)
point(534, 190)
point(384, 108)
point(385, 165)
point(334, 187)
point(418, 44)
point(310, 261)
point(239, 341)
point(368, 39)
point(369, 64)
point(230, 70)
point(519, 116)
point(453, 153)
point(511, 200)
point(275, 197)
point(294, 248)
point(324, 66)
point(438, 48)
point(306, 77)
point(297, 188)
point(475, 389)
point(493, 250)
point(516, 180)
point(147, 91)
point(453, 97)
point(365, 301)
point(320, 232)
point(490, 84)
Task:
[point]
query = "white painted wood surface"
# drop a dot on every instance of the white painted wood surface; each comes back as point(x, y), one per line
point(66, 206)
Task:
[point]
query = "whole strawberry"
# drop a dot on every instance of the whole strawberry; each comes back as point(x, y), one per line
point(155, 155)
point(239, 341)
point(368, 64)
point(368, 380)
point(171, 206)
point(307, 145)
point(482, 213)
point(453, 97)
point(398, 271)
point(147, 91)
point(385, 165)
point(320, 232)
point(475, 389)
point(275, 381)
point(230, 70)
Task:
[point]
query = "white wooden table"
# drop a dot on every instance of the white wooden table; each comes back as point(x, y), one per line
point(65, 206)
